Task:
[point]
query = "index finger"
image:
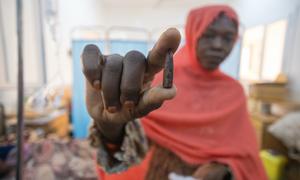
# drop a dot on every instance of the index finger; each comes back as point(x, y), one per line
point(92, 62)
point(169, 40)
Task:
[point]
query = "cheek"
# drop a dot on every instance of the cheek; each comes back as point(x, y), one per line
point(228, 47)
point(201, 48)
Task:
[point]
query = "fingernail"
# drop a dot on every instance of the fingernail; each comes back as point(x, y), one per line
point(112, 109)
point(129, 104)
point(97, 85)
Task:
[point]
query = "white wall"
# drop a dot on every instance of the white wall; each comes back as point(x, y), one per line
point(31, 47)
point(71, 14)
point(256, 12)
point(31, 41)
point(9, 14)
point(291, 65)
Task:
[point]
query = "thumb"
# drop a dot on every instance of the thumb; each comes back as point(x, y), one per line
point(159, 94)
point(153, 99)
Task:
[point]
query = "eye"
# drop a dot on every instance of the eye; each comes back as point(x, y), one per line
point(208, 35)
point(228, 38)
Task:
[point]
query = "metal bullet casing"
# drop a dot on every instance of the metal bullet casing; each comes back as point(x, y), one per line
point(168, 71)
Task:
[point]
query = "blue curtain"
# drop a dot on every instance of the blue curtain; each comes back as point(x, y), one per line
point(122, 47)
point(80, 117)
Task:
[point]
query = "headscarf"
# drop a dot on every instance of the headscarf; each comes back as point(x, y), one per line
point(208, 120)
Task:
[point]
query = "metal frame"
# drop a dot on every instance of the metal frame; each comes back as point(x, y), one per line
point(20, 115)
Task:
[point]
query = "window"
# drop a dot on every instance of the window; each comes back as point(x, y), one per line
point(262, 52)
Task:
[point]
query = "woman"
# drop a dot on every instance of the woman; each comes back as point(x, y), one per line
point(203, 132)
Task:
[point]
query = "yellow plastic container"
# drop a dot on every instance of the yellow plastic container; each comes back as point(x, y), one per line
point(274, 164)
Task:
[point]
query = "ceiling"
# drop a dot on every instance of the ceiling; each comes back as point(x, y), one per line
point(158, 3)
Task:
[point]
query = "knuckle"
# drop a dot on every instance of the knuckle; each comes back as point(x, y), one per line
point(130, 90)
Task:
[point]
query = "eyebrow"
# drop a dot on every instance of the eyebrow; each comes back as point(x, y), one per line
point(212, 29)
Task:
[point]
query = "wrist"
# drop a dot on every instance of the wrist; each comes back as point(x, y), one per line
point(227, 174)
point(216, 169)
point(112, 133)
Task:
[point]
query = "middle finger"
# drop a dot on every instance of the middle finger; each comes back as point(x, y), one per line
point(134, 65)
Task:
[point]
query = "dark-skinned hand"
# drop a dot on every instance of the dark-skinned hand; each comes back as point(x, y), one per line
point(118, 89)
point(211, 171)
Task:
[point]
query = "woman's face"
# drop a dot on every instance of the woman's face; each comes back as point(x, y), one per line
point(216, 42)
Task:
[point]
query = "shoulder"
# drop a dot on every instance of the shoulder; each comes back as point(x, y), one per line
point(234, 84)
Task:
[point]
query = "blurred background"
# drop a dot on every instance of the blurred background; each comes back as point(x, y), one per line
point(266, 60)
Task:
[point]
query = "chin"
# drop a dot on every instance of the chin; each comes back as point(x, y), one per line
point(210, 68)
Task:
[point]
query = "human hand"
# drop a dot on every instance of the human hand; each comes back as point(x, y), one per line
point(211, 171)
point(118, 89)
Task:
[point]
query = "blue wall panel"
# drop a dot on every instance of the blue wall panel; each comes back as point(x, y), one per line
point(231, 65)
point(80, 117)
point(122, 47)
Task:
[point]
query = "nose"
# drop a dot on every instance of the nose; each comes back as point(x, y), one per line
point(217, 43)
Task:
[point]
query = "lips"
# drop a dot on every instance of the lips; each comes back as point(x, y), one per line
point(214, 59)
point(211, 62)
point(214, 54)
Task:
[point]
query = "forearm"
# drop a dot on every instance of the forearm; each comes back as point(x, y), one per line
point(130, 151)
point(106, 133)
point(214, 169)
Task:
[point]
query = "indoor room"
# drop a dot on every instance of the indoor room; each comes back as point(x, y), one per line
point(150, 89)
